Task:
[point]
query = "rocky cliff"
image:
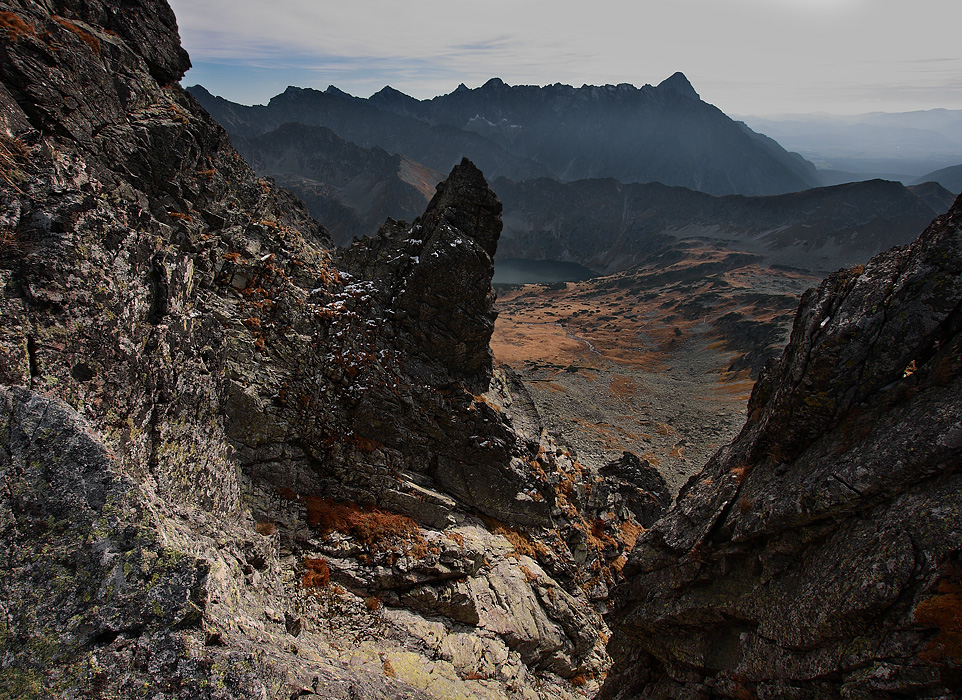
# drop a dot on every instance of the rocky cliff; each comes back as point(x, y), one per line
point(235, 465)
point(817, 556)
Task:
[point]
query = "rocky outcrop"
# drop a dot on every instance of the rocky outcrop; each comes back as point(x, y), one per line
point(817, 556)
point(233, 465)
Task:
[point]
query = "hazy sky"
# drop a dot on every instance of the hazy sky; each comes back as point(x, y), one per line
point(744, 56)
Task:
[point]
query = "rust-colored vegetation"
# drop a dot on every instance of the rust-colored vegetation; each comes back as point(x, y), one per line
point(265, 528)
point(81, 33)
point(375, 529)
point(14, 27)
point(741, 472)
point(943, 612)
point(316, 573)
point(523, 545)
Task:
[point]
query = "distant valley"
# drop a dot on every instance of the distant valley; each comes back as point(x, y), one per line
point(912, 147)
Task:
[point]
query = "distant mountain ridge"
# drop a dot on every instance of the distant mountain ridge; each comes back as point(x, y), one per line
point(950, 178)
point(609, 226)
point(353, 188)
point(650, 134)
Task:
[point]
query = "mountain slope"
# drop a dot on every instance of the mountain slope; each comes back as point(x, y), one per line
point(332, 175)
point(235, 465)
point(608, 226)
point(950, 178)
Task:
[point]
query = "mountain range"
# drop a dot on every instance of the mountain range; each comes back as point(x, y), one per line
point(904, 146)
point(609, 226)
point(603, 224)
point(665, 133)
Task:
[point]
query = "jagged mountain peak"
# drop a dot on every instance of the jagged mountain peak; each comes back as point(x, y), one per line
point(678, 83)
point(621, 131)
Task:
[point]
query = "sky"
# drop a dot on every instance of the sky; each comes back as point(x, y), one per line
point(747, 57)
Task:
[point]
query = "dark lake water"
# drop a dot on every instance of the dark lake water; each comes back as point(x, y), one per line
point(521, 271)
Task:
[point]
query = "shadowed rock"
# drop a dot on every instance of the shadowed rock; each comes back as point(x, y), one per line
point(818, 554)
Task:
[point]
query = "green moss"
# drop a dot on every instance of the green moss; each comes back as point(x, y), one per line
point(23, 685)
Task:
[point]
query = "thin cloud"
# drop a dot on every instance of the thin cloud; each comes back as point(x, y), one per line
point(746, 56)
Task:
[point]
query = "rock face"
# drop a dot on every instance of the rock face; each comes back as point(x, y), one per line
point(817, 556)
point(236, 466)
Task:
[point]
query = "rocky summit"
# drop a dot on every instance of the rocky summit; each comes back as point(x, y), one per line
point(237, 463)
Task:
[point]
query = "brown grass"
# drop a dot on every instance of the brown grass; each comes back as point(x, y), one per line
point(943, 612)
point(316, 573)
point(15, 27)
point(630, 531)
point(375, 529)
point(265, 528)
point(81, 33)
point(622, 387)
point(523, 545)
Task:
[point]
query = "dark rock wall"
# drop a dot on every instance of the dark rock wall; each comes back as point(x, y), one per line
point(817, 555)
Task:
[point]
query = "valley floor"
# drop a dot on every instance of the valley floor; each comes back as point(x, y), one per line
point(655, 361)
